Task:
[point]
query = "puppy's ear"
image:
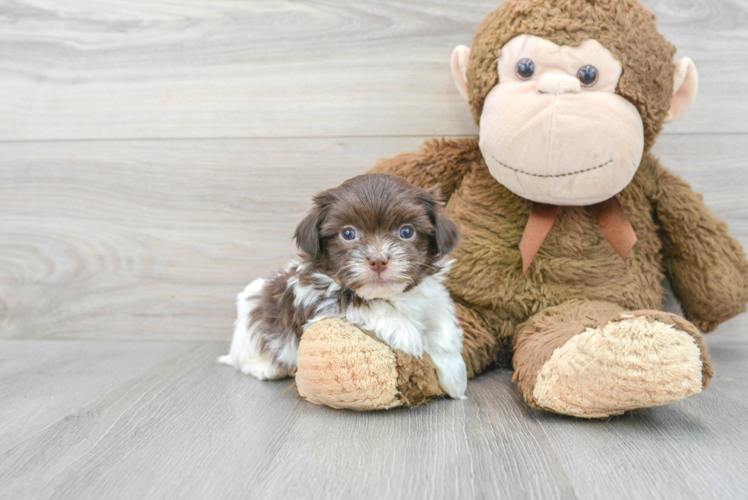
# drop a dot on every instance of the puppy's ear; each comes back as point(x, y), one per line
point(446, 233)
point(307, 234)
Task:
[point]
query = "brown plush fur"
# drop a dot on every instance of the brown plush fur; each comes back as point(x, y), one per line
point(481, 342)
point(548, 330)
point(678, 237)
point(577, 279)
point(541, 335)
point(706, 267)
point(416, 379)
point(625, 27)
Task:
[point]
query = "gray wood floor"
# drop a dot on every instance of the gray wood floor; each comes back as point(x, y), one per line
point(156, 156)
point(136, 419)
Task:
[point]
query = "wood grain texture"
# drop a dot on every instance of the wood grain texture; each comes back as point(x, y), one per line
point(684, 450)
point(42, 383)
point(116, 69)
point(153, 239)
point(186, 427)
point(156, 156)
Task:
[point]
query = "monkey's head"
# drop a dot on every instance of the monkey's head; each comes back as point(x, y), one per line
point(569, 94)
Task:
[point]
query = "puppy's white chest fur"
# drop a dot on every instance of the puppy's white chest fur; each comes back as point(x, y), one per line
point(410, 321)
point(399, 323)
point(417, 321)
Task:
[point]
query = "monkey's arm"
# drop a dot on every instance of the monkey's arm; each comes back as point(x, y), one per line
point(706, 266)
point(442, 162)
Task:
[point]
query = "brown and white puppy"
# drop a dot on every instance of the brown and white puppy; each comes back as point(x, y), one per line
point(375, 253)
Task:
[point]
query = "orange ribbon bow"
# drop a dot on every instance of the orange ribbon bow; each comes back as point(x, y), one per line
point(609, 215)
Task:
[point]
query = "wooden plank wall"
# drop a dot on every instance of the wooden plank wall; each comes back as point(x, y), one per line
point(156, 156)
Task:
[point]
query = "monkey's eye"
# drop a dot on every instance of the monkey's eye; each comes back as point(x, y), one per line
point(407, 232)
point(348, 234)
point(525, 69)
point(587, 75)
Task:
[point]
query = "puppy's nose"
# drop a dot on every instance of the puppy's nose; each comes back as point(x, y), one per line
point(378, 262)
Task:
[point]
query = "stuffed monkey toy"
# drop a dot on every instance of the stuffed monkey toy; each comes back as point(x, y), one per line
point(569, 225)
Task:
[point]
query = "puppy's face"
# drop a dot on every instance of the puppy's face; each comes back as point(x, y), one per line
point(376, 235)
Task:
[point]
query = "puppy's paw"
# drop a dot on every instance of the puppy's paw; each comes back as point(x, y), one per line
point(452, 373)
point(261, 369)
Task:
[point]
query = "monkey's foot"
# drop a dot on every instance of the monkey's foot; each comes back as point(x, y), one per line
point(342, 367)
point(636, 360)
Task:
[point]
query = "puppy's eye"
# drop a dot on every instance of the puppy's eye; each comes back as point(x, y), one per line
point(525, 69)
point(348, 234)
point(407, 232)
point(587, 75)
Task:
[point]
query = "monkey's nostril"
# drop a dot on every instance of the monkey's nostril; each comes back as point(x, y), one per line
point(556, 84)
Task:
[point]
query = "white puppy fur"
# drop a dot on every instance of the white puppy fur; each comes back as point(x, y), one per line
point(245, 354)
point(419, 320)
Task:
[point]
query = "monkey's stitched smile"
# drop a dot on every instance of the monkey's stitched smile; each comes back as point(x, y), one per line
point(552, 175)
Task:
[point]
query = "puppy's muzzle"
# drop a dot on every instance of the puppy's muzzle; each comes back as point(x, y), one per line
point(378, 263)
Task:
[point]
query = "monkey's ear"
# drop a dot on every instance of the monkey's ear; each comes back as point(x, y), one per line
point(685, 85)
point(460, 58)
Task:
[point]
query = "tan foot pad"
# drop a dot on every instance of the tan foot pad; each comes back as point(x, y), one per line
point(342, 367)
point(623, 365)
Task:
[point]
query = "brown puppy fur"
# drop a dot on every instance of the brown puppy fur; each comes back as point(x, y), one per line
point(376, 207)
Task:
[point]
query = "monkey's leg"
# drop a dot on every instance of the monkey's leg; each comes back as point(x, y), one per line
point(343, 367)
point(594, 359)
